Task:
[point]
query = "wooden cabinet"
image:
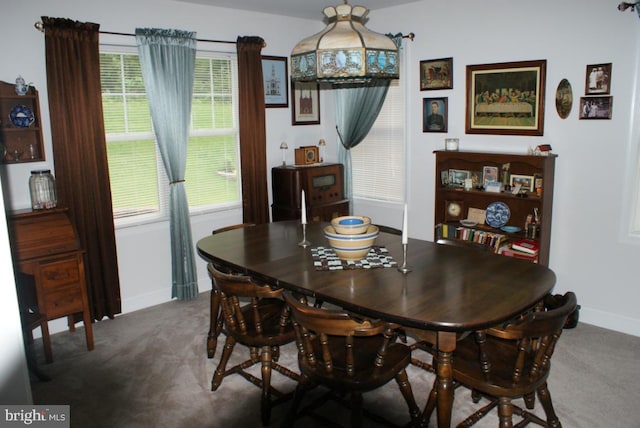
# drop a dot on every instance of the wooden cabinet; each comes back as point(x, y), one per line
point(540, 169)
point(46, 247)
point(324, 192)
point(20, 138)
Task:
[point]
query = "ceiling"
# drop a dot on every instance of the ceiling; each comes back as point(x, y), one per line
point(309, 9)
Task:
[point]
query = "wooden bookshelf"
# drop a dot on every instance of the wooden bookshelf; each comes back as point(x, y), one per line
point(520, 206)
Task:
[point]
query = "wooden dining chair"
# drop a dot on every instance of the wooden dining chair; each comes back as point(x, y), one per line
point(511, 361)
point(215, 320)
point(349, 355)
point(263, 325)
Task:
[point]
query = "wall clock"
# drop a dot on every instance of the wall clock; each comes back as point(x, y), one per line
point(453, 210)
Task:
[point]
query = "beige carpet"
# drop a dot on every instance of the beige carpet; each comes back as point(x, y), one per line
point(149, 369)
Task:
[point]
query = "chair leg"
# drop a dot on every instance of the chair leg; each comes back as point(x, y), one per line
point(547, 405)
point(215, 323)
point(265, 403)
point(430, 406)
point(405, 388)
point(224, 359)
point(356, 410)
point(301, 389)
point(505, 413)
point(530, 400)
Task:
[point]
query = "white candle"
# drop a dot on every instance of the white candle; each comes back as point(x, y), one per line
point(405, 238)
point(303, 207)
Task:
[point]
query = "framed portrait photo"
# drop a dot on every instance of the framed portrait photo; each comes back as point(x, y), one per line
point(436, 74)
point(596, 107)
point(434, 115)
point(276, 87)
point(506, 98)
point(489, 174)
point(598, 79)
point(305, 103)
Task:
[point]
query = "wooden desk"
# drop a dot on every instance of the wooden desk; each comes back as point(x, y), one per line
point(46, 246)
point(450, 289)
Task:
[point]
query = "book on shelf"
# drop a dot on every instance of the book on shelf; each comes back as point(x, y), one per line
point(477, 236)
point(525, 245)
point(506, 250)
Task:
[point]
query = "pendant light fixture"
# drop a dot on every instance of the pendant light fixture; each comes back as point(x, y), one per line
point(345, 51)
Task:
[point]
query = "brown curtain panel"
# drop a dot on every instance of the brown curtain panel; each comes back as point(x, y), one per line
point(253, 140)
point(80, 153)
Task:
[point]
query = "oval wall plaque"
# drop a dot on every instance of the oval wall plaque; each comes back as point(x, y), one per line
point(564, 98)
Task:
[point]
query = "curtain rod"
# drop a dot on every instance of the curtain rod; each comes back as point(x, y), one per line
point(40, 27)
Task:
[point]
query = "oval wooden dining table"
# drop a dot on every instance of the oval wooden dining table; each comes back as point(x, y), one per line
point(449, 289)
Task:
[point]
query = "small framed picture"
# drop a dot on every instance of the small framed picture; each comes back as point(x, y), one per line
point(525, 182)
point(436, 74)
point(305, 103)
point(598, 79)
point(276, 88)
point(489, 173)
point(444, 178)
point(476, 179)
point(434, 115)
point(595, 107)
point(457, 177)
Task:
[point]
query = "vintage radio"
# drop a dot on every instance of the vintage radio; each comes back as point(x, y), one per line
point(306, 155)
point(324, 191)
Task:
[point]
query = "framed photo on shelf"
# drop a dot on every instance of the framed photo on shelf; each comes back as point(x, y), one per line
point(489, 173)
point(506, 98)
point(457, 177)
point(276, 87)
point(434, 115)
point(305, 103)
point(436, 74)
point(595, 107)
point(525, 181)
point(598, 79)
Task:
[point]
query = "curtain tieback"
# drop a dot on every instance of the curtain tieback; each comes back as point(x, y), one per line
point(176, 181)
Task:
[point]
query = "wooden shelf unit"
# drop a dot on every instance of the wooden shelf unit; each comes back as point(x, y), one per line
point(519, 207)
point(20, 144)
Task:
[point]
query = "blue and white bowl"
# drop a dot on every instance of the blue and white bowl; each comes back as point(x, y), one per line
point(351, 224)
point(351, 247)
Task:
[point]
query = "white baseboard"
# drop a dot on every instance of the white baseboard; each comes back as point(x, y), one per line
point(610, 321)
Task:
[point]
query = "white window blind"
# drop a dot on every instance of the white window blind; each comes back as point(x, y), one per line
point(377, 163)
point(139, 186)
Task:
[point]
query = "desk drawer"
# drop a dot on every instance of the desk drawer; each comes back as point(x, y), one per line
point(64, 301)
point(57, 273)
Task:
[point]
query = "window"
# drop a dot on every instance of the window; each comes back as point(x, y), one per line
point(377, 163)
point(139, 186)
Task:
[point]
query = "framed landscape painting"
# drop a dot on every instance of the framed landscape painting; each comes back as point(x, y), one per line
point(506, 98)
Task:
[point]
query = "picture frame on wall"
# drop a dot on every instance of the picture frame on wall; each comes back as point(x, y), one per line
point(275, 76)
point(598, 79)
point(435, 115)
point(305, 103)
point(436, 74)
point(592, 108)
point(506, 98)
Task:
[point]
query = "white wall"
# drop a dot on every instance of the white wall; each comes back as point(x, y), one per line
point(589, 253)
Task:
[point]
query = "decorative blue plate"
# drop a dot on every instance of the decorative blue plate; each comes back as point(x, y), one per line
point(497, 214)
point(21, 116)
